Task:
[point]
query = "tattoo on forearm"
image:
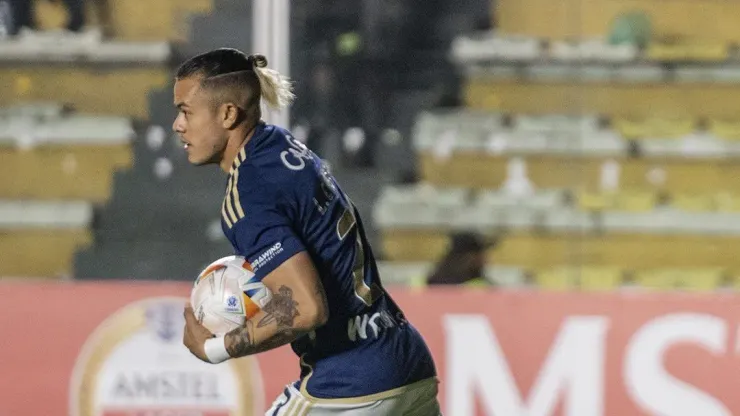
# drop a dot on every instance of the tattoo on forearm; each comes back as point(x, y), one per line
point(282, 309)
point(240, 341)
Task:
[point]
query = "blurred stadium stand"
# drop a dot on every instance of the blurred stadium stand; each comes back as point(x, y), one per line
point(74, 107)
point(162, 219)
point(598, 141)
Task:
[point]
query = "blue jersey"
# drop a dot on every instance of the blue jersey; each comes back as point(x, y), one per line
point(282, 200)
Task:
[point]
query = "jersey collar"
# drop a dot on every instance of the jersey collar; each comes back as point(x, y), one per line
point(241, 155)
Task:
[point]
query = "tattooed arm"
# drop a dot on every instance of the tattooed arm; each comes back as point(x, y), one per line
point(298, 306)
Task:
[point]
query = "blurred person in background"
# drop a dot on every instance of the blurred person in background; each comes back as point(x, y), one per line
point(464, 263)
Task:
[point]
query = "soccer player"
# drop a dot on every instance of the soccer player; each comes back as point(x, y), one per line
point(285, 212)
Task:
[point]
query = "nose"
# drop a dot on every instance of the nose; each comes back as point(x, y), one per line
point(177, 125)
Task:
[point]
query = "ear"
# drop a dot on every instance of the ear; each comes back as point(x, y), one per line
point(229, 115)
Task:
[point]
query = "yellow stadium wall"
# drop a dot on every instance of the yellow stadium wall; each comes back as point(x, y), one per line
point(614, 99)
point(557, 19)
point(137, 20)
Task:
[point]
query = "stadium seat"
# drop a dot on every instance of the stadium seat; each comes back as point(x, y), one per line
point(593, 73)
point(703, 279)
point(635, 201)
point(541, 199)
point(653, 128)
point(417, 205)
point(708, 51)
point(61, 156)
point(56, 229)
point(592, 50)
point(657, 279)
point(668, 211)
point(694, 202)
point(586, 278)
point(43, 48)
point(75, 172)
point(658, 51)
point(548, 72)
point(548, 20)
point(477, 170)
point(610, 98)
point(477, 217)
point(20, 252)
point(687, 51)
point(669, 220)
point(28, 132)
point(627, 200)
point(552, 124)
point(602, 143)
point(474, 48)
point(159, 20)
point(510, 210)
point(469, 129)
point(415, 273)
point(80, 87)
point(727, 201)
point(520, 48)
point(595, 201)
point(409, 244)
point(628, 249)
point(404, 273)
point(568, 220)
point(506, 276)
point(639, 74)
point(725, 74)
point(558, 279)
point(695, 145)
point(517, 143)
point(594, 278)
point(727, 129)
point(654, 221)
point(20, 214)
point(37, 110)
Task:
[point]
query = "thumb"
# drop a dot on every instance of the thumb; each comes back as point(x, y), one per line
point(188, 313)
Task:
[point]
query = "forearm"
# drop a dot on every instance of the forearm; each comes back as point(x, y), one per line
point(278, 324)
point(253, 339)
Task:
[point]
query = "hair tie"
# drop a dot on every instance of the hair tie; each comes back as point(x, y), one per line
point(257, 61)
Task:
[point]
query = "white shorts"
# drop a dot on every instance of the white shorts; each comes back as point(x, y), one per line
point(418, 399)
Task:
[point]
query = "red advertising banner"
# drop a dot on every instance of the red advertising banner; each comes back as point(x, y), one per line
point(115, 349)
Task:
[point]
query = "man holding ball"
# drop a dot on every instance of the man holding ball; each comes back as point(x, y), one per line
point(304, 240)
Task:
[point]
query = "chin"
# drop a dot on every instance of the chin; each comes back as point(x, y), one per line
point(196, 161)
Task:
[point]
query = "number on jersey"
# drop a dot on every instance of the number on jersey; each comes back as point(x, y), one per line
point(367, 294)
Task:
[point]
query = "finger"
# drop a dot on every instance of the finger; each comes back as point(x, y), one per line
point(189, 314)
point(185, 335)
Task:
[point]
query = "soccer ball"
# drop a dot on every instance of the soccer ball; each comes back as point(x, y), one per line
point(226, 294)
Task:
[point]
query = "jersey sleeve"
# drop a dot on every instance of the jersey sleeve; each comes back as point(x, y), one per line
point(265, 236)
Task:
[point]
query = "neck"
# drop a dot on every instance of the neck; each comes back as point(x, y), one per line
point(238, 138)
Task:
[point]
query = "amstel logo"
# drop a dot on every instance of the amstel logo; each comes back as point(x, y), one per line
point(134, 364)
